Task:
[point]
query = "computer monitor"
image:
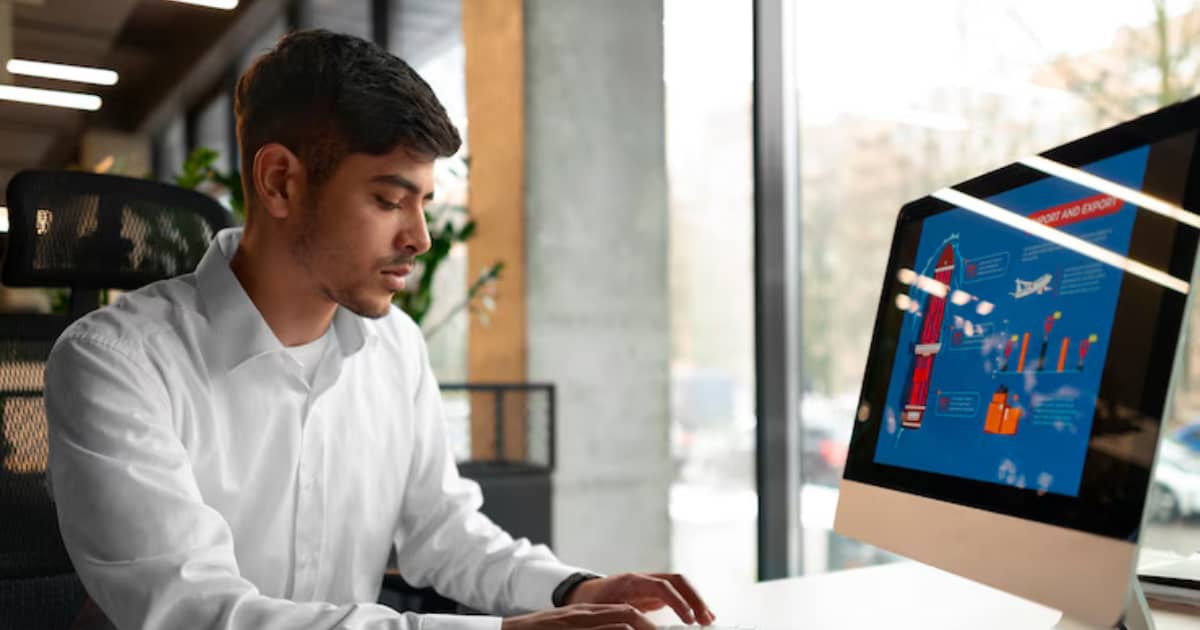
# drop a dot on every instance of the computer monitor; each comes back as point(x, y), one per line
point(1020, 367)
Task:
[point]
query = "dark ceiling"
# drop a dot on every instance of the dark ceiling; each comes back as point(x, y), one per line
point(152, 44)
point(169, 56)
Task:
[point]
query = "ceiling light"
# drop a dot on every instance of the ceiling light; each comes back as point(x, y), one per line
point(82, 74)
point(215, 4)
point(54, 98)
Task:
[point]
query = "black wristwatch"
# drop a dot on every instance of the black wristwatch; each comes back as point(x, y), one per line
point(564, 588)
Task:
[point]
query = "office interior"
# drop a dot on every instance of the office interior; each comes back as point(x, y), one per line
point(651, 347)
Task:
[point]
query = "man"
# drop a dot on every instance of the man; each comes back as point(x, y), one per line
point(241, 447)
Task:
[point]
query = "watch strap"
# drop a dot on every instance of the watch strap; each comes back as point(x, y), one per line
point(564, 588)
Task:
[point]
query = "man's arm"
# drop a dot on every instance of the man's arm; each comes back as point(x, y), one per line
point(445, 542)
point(148, 549)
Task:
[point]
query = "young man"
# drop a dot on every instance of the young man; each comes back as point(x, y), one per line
point(240, 447)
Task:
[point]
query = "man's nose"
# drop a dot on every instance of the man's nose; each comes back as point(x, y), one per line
point(415, 240)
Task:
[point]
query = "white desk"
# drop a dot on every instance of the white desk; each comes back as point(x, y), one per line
point(896, 597)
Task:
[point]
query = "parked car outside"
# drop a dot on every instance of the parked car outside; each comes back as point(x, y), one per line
point(1175, 492)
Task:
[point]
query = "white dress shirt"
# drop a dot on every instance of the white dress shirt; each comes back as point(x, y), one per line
point(201, 482)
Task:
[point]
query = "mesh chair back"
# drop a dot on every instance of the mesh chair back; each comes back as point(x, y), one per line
point(83, 231)
point(29, 540)
point(38, 586)
point(91, 231)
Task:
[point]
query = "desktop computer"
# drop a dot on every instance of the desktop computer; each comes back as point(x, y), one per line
point(1021, 365)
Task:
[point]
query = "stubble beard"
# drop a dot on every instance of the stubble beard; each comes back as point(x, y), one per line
point(305, 252)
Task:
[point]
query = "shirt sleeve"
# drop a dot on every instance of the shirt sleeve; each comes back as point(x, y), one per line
point(444, 541)
point(148, 549)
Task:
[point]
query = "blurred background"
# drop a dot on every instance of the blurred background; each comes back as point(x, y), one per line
point(609, 177)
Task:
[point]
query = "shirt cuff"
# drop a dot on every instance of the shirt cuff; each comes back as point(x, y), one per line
point(536, 581)
point(460, 622)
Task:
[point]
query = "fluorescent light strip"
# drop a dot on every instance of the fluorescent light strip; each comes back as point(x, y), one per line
point(54, 98)
point(1109, 187)
point(215, 4)
point(64, 72)
point(1074, 243)
point(3, 219)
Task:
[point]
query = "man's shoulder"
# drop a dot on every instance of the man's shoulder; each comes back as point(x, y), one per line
point(136, 317)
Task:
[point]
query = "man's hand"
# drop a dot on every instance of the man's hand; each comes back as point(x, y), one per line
point(645, 592)
point(582, 617)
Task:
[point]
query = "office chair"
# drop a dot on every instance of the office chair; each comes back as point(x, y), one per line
point(88, 233)
point(91, 233)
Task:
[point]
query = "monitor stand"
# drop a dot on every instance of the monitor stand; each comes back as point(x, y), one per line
point(1137, 614)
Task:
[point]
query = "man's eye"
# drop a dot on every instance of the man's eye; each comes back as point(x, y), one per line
point(387, 205)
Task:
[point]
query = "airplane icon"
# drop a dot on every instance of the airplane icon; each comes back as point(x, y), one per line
point(1026, 288)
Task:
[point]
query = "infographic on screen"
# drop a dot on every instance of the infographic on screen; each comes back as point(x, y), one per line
point(1004, 336)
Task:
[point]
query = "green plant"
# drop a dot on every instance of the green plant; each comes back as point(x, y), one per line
point(444, 234)
point(199, 172)
point(449, 225)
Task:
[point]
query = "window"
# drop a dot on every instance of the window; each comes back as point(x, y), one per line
point(214, 121)
point(170, 149)
point(900, 103)
point(428, 35)
point(710, 173)
point(352, 17)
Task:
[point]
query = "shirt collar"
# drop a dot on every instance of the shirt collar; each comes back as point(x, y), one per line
point(239, 329)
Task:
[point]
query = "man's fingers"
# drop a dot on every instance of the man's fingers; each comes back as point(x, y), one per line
point(592, 607)
point(689, 593)
point(665, 591)
point(646, 604)
point(619, 614)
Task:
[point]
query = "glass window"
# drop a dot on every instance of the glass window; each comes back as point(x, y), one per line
point(214, 124)
point(428, 35)
point(903, 103)
point(421, 31)
point(713, 502)
point(212, 129)
point(171, 149)
point(263, 43)
point(352, 17)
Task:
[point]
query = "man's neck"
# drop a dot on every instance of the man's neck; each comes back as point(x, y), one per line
point(294, 310)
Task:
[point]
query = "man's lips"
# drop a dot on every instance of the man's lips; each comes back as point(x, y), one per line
point(394, 276)
point(401, 271)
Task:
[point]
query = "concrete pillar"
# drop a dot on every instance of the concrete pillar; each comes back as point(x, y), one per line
point(596, 272)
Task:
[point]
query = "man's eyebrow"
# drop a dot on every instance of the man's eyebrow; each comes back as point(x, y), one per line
point(402, 182)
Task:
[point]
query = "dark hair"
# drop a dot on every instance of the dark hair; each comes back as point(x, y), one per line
point(326, 95)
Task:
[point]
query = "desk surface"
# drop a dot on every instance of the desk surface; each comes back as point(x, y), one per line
point(900, 596)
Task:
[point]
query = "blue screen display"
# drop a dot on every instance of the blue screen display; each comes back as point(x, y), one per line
point(1005, 334)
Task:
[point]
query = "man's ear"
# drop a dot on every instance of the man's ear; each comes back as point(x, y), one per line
point(278, 176)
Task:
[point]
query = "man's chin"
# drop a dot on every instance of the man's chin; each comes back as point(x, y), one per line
point(378, 312)
point(369, 308)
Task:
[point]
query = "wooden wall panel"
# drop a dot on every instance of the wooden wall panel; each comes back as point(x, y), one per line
point(493, 32)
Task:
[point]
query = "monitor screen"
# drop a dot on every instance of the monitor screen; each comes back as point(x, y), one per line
point(1027, 327)
point(1004, 336)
